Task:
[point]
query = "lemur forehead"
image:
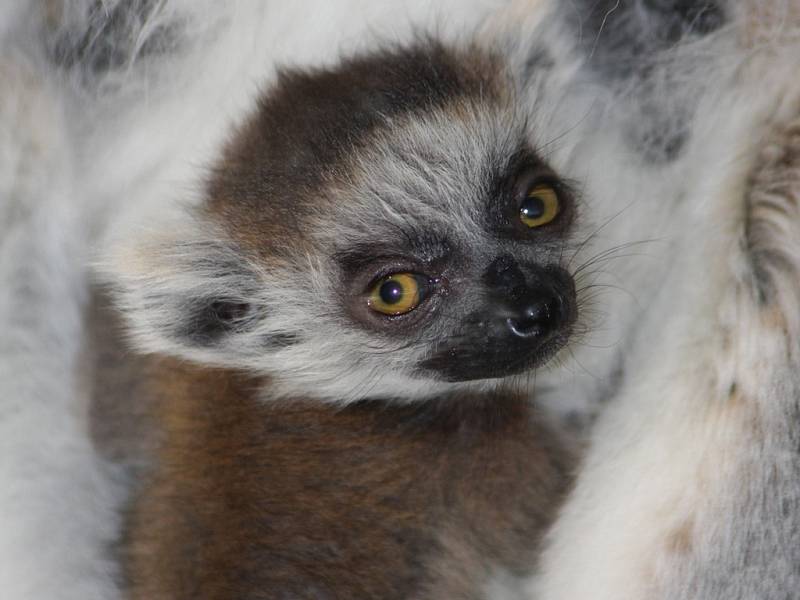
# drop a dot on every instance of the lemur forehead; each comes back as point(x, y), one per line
point(311, 125)
point(430, 180)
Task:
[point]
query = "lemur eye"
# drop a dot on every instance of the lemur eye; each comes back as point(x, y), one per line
point(539, 207)
point(398, 293)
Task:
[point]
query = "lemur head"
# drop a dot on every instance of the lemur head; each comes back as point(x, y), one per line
point(383, 229)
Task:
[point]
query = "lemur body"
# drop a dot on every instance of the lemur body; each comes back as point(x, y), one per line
point(691, 486)
point(352, 444)
point(690, 489)
point(304, 500)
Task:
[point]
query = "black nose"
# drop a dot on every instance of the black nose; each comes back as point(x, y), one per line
point(538, 315)
point(505, 276)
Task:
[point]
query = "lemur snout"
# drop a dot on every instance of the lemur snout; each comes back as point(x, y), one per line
point(523, 318)
point(532, 306)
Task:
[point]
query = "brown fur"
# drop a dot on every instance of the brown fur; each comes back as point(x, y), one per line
point(300, 500)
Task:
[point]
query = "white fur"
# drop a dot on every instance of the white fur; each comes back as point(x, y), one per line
point(57, 500)
point(690, 488)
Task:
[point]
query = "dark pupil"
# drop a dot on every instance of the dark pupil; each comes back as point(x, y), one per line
point(532, 207)
point(391, 292)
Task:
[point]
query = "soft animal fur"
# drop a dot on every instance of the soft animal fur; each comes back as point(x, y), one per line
point(691, 487)
point(675, 119)
point(57, 497)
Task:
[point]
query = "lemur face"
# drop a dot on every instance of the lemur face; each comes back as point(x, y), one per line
point(459, 262)
point(383, 229)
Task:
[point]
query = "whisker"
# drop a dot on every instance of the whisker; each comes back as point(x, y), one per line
point(591, 236)
point(613, 253)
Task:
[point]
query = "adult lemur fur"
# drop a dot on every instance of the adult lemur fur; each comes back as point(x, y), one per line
point(691, 486)
point(638, 131)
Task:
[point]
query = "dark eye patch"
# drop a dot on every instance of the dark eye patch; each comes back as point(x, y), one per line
point(279, 341)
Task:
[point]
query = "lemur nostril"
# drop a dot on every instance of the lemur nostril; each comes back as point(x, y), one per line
point(537, 318)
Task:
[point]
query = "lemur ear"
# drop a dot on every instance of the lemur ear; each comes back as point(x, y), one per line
point(189, 292)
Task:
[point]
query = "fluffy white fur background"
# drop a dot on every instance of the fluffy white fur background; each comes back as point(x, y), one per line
point(691, 487)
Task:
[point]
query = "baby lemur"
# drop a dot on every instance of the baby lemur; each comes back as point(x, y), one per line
point(379, 264)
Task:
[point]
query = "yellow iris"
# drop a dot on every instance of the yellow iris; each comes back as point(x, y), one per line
point(395, 294)
point(540, 206)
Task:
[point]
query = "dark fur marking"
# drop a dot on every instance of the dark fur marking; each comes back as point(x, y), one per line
point(108, 40)
point(211, 319)
point(538, 60)
point(279, 341)
point(576, 421)
point(659, 140)
point(770, 200)
point(689, 16)
point(623, 38)
point(765, 262)
point(664, 146)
